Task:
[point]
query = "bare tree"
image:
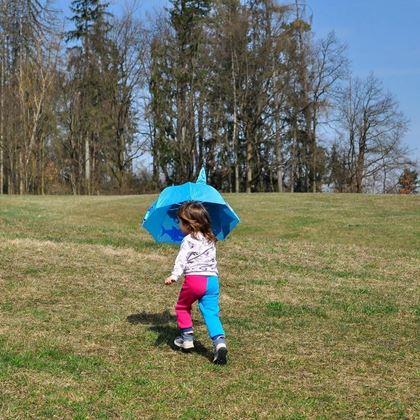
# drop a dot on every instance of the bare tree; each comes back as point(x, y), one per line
point(129, 59)
point(328, 66)
point(373, 128)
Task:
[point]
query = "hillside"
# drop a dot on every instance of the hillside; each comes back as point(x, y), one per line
point(319, 300)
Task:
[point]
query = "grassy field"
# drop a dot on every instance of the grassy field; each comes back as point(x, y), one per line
point(319, 300)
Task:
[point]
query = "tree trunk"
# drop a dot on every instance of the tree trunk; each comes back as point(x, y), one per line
point(384, 178)
point(93, 180)
point(199, 150)
point(359, 169)
point(314, 150)
point(279, 166)
point(235, 148)
point(87, 165)
point(279, 160)
point(293, 158)
point(191, 134)
point(235, 138)
point(182, 170)
point(2, 84)
point(10, 189)
point(155, 155)
point(237, 176)
point(2, 69)
point(21, 174)
point(307, 164)
point(42, 168)
point(248, 164)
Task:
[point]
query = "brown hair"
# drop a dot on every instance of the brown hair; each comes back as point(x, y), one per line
point(196, 219)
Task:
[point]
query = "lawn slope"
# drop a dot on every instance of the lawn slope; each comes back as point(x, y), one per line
point(319, 299)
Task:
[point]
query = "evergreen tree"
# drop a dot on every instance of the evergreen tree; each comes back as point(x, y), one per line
point(176, 82)
point(336, 169)
point(86, 15)
point(161, 109)
point(90, 64)
point(242, 86)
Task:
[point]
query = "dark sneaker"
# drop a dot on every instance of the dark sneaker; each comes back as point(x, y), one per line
point(220, 354)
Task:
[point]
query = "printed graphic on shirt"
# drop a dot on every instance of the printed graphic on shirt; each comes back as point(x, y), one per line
point(196, 255)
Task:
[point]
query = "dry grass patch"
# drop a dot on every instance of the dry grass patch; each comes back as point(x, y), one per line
point(321, 322)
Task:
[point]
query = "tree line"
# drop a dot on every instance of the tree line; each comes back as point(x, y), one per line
point(244, 88)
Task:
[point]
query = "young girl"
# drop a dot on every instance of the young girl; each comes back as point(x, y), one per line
point(197, 260)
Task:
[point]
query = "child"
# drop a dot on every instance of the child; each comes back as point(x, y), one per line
point(197, 259)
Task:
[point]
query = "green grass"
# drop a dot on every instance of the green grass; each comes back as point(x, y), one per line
point(319, 297)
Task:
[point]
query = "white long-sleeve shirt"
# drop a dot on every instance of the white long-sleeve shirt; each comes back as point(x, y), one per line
point(196, 256)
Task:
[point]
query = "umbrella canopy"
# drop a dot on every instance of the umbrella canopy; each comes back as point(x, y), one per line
point(161, 220)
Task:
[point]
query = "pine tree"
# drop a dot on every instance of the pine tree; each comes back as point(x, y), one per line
point(187, 18)
point(90, 62)
point(161, 110)
point(86, 15)
point(336, 169)
point(177, 83)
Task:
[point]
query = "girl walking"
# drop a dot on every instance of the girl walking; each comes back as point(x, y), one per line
point(197, 260)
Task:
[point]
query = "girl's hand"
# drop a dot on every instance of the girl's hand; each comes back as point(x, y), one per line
point(169, 281)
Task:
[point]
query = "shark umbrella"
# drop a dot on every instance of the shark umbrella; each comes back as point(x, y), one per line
point(161, 219)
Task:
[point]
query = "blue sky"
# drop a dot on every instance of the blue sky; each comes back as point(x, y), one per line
point(383, 37)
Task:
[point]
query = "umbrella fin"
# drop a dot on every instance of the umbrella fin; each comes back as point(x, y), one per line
point(202, 176)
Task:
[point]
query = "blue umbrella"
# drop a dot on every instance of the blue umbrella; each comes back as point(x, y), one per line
point(161, 220)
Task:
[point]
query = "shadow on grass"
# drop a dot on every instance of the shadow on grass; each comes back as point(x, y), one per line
point(160, 324)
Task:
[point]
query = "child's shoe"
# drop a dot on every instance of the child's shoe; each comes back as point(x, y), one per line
point(185, 342)
point(220, 354)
